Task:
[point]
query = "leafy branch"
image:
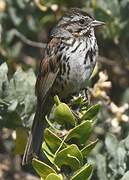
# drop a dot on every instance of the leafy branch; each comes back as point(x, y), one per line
point(67, 144)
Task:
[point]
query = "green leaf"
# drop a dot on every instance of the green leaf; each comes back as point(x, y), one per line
point(126, 176)
point(48, 152)
point(101, 167)
point(10, 120)
point(2, 102)
point(14, 16)
point(16, 49)
point(121, 155)
point(13, 105)
point(52, 140)
point(21, 139)
point(70, 156)
point(63, 115)
point(20, 101)
point(42, 169)
point(127, 142)
point(3, 76)
point(95, 71)
point(84, 173)
point(80, 133)
point(86, 150)
point(111, 144)
point(57, 100)
point(53, 176)
point(21, 4)
point(91, 112)
point(110, 7)
point(19, 85)
point(10, 35)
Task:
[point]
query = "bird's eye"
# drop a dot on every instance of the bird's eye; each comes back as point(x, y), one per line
point(81, 21)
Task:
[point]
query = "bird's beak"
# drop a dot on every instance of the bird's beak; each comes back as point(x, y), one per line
point(97, 23)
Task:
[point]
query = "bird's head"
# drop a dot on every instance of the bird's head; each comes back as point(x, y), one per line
point(75, 22)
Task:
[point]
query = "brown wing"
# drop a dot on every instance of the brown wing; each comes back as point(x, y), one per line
point(49, 68)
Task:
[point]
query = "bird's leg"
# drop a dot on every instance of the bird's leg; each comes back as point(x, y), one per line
point(76, 115)
point(87, 96)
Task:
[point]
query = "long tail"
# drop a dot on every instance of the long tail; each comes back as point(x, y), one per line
point(33, 147)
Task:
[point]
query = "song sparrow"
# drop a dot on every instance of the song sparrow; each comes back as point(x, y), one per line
point(69, 59)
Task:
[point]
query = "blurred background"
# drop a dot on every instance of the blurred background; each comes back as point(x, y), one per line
point(24, 31)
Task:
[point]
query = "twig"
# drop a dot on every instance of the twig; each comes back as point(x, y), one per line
point(0, 32)
point(107, 61)
point(28, 41)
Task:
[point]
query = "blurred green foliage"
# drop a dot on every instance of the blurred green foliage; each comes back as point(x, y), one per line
point(115, 13)
point(17, 98)
point(112, 160)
